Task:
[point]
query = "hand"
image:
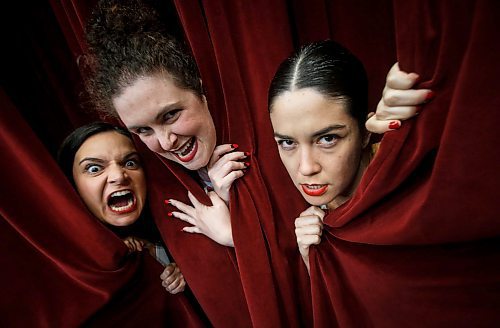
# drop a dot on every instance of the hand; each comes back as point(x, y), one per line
point(308, 229)
point(172, 279)
point(399, 101)
point(134, 244)
point(212, 221)
point(224, 168)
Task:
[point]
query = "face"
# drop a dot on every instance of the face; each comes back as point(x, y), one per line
point(320, 145)
point(173, 122)
point(109, 178)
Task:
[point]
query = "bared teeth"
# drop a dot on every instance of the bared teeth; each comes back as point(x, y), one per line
point(187, 148)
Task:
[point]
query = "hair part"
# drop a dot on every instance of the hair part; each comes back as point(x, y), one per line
point(331, 70)
point(73, 142)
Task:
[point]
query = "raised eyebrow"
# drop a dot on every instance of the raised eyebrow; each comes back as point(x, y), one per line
point(91, 159)
point(328, 129)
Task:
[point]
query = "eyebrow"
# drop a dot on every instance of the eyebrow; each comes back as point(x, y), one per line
point(328, 129)
point(99, 160)
point(163, 111)
point(318, 133)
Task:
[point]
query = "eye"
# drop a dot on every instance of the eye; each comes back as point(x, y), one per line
point(286, 144)
point(172, 115)
point(143, 131)
point(328, 140)
point(93, 169)
point(132, 164)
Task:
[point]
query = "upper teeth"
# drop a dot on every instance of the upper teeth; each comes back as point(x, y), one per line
point(120, 193)
point(185, 147)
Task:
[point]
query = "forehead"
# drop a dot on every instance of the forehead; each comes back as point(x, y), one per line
point(140, 102)
point(105, 144)
point(307, 108)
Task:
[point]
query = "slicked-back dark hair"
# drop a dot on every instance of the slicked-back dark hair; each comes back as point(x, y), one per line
point(73, 142)
point(328, 68)
point(127, 40)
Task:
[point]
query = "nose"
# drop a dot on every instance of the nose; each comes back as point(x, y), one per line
point(117, 174)
point(308, 163)
point(166, 139)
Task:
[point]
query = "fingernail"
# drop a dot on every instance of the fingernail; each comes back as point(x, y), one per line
point(394, 125)
point(170, 214)
point(167, 201)
point(247, 153)
point(234, 146)
point(247, 164)
point(430, 95)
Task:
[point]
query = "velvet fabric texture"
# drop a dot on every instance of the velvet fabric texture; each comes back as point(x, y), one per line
point(416, 246)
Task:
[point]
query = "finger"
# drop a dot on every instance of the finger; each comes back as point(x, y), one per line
point(302, 221)
point(386, 113)
point(184, 217)
point(307, 240)
point(189, 210)
point(192, 229)
point(219, 151)
point(180, 288)
point(313, 210)
point(375, 125)
point(171, 278)
point(167, 271)
point(398, 79)
point(175, 283)
point(194, 201)
point(228, 180)
point(233, 156)
point(411, 97)
point(215, 199)
point(314, 229)
point(217, 174)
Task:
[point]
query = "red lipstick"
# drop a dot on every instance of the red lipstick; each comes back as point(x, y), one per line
point(314, 189)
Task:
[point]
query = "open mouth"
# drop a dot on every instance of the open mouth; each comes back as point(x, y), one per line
point(187, 152)
point(122, 202)
point(314, 189)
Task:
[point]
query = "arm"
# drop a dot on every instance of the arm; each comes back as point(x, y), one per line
point(212, 221)
point(308, 230)
point(172, 279)
point(398, 102)
point(225, 167)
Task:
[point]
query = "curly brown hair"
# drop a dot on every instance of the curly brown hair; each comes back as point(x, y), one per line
point(127, 41)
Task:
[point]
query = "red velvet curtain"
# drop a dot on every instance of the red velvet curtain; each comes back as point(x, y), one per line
point(416, 245)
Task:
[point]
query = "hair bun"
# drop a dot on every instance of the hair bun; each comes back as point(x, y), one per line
point(113, 22)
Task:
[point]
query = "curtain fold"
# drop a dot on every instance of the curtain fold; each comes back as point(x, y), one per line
point(418, 243)
point(60, 266)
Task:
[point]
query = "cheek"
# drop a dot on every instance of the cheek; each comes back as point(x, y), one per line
point(290, 164)
point(90, 193)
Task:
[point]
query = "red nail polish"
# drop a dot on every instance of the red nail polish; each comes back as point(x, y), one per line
point(234, 146)
point(394, 125)
point(247, 164)
point(430, 95)
point(170, 214)
point(247, 153)
point(167, 201)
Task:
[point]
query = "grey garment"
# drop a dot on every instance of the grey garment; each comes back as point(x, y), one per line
point(161, 255)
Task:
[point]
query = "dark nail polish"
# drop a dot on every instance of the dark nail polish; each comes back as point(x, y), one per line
point(429, 96)
point(210, 189)
point(247, 153)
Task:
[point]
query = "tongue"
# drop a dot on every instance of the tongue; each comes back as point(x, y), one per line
point(119, 201)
